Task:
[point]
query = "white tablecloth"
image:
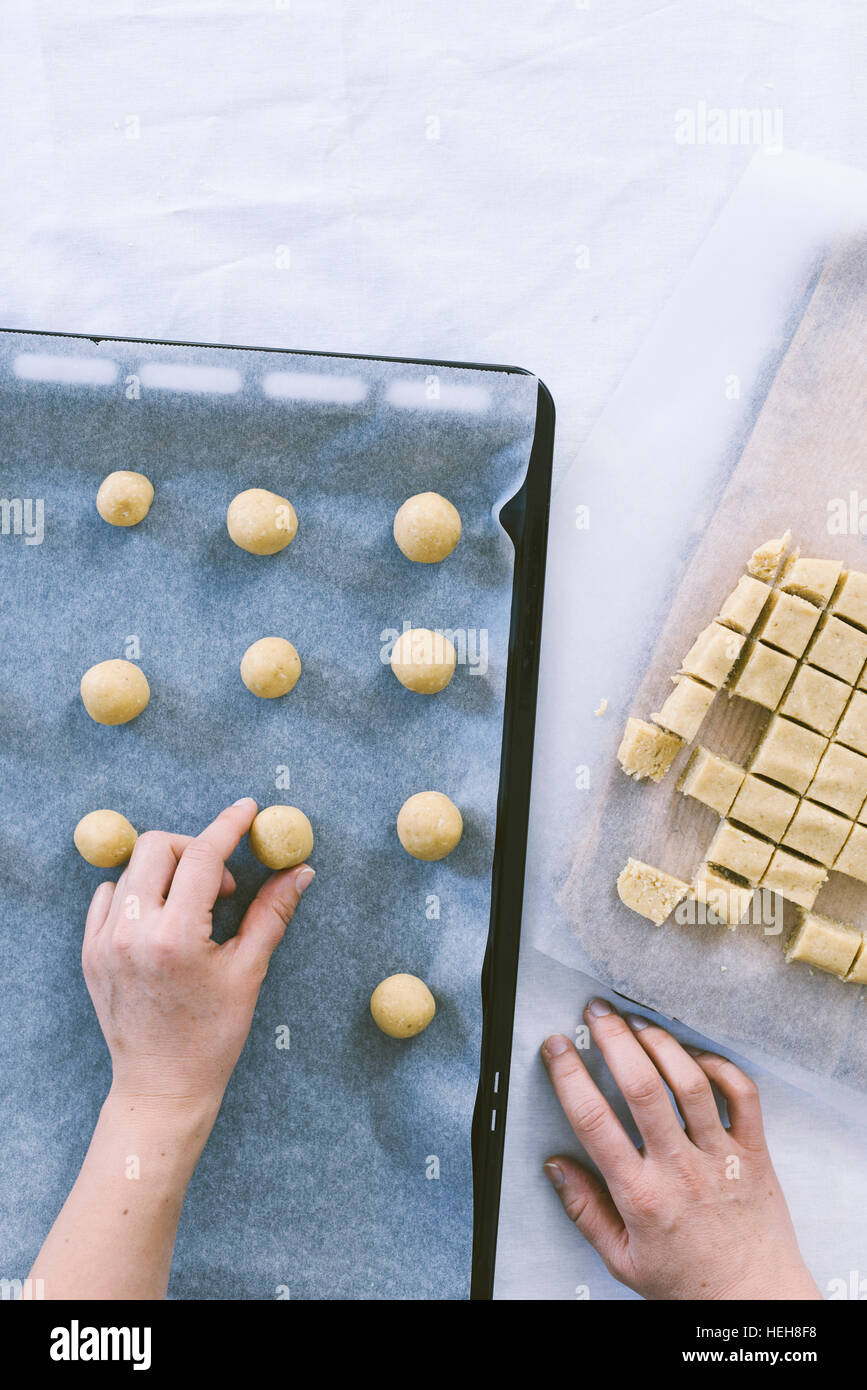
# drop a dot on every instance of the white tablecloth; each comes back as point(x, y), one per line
point(501, 181)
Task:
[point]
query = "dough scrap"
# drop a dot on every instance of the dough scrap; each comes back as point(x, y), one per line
point(767, 558)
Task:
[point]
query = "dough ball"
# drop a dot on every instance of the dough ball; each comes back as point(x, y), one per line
point(427, 528)
point(261, 522)
point(124, 498)
point(423, 661)
point(402, 1006)
point(104, 838)
point(114, 692)
point(270, 667)
point(281, 837)
point(429, 826)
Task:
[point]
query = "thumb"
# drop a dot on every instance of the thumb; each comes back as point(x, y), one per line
point(269, 914)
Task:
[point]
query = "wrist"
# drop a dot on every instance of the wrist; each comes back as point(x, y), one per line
point(779, 1285)
point(185, 1120)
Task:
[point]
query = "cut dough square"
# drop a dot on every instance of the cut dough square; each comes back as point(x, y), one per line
point(739, 852)
point(713, 654)
point(789, 622)
point(744, 604)
point(858, 971)
point(838, 648)
point(815, 580)
point(711, 779)
point(841, 780)
point(825, 943)
point(763, 807)
point(788, 753)
point(726, 902)
point(852, 729)
point(815, 699)
point(685, 708)
point(650, 892)
point(852, 859)
point(798, 880)
point(764, 676)
point(646, 750)
point(851, 599)
point(817, 832)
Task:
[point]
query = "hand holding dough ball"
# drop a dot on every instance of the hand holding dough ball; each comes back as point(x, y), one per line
point(429, 826)
point(124, 498)
point(104, 838)
point(261, 522)
point(281, 837)
point(114, 692)
point(423, 661)
point(427, 528)
point(402, 1006)
point(270, 667)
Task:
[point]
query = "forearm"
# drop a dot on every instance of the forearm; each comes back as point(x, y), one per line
point(115, 1235)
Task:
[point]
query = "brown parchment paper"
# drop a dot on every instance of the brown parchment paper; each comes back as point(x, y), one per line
point(803, 468)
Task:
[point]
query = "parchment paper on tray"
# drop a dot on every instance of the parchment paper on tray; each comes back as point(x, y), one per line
point(804, 459)
point(320, 1177)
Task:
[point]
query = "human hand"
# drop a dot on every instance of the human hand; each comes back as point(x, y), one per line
point(697, 1213)
point(174, 1006)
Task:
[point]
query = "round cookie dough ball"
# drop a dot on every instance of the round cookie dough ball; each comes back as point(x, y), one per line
point(429, 826)
point(423, 661)
point(281, 837)
point(270, 667)
point(427, 528)
point(402, 1006)
point(124, 498)
point(261, 522)
point(114, 692)
point(104, 838)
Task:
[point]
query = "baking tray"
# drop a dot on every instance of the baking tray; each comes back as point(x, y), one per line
point(524, 517)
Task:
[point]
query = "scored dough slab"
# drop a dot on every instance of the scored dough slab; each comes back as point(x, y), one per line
point(809, 430)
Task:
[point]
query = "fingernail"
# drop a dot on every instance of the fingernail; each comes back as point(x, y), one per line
point(598, 1008)
point(304, 878)
point(556, 1045)
point(555, 1174)
point(636, 1023)
point(242, 800)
